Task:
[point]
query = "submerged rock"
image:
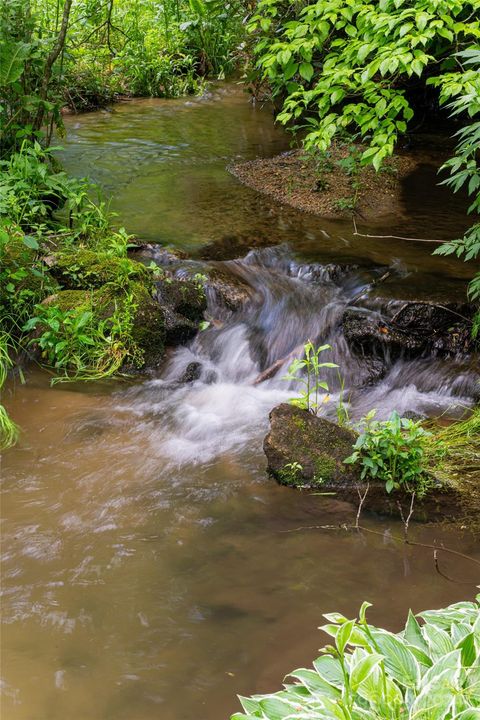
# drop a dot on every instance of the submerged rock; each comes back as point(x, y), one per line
point(191, 373)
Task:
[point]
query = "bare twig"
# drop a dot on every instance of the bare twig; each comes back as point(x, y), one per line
point(413, 543)
point(394, 237)
point(406, 521)
point(362, 500)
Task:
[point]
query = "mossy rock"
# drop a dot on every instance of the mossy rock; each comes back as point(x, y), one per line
point(25, 282)
point(308, 451)
point(149, 325)
point(314, 445)
point(183, 301)
point(82, 268)
point(148, 331)
point(185, 296)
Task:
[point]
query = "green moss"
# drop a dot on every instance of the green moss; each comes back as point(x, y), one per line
point(69, 299)
point(325, 468)
point(300, 423)
point(82, 268)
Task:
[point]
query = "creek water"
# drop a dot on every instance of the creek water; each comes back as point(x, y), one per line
point(150, 567)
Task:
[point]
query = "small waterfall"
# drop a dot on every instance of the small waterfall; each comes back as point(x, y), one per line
point(214, 395)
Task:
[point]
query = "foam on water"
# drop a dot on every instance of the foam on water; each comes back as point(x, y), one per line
point(226, 409)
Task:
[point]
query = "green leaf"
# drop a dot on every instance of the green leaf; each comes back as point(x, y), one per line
point(469, 651)
point(343, 635)
point(362, 670)
point(413, 633)
point(12, 61)
point(276, 709)
point(399, 660)
point(330, 670)
point(30, 242)
point(306, 70)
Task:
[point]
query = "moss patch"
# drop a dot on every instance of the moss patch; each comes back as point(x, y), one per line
point(82, 268)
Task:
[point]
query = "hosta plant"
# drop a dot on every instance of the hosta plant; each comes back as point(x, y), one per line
point(429, 671)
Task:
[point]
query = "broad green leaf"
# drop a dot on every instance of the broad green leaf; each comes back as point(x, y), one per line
point(469, 650)
point(361, 671)
point(30, 242)
point(413, 633)
point(330, 670)
point(399, 660)
point(306, 70)
point(12, 61)
point(314, 683)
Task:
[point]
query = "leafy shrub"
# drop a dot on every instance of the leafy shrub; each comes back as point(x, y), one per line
point(8, 429)
point(24, 280)
point(429, 671)
point(79, 343)
point(149, 69)
point(350, 66)
point(393, 451)
point(30, 189)
point(464, 166)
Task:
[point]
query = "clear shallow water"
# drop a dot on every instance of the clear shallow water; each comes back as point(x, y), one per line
point(163, 163)
point(151, 569)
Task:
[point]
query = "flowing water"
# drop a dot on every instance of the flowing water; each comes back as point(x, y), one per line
point(150, 568)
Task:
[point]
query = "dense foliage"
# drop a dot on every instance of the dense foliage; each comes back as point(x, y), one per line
point(348, 65)
point(54, 237)
point(372, 72)
point(393, 451)
point(84, 54)
point(464, 167)
point(429, 671)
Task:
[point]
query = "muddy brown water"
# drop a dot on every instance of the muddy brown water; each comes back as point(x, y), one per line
point(150, 573)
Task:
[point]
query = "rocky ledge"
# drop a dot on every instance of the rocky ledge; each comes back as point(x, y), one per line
point(307, 451)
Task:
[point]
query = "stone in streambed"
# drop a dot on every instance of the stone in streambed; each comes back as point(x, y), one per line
point(417, 329)
point(317, 445)
point(307, 451)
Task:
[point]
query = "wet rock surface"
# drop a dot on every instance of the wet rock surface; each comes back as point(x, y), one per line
point(307, 451)
point(417, 328)
point(183, 303)
point(315, 444)
point(227, 290)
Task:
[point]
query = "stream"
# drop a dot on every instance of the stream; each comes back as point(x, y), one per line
point(150, 567)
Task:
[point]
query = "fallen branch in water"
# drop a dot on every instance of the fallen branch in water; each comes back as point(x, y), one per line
point(275, 367)
point(444, 575)
point(381, 534)
point(394, 237)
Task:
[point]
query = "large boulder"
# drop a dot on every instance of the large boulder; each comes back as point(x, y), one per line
point(148, 321)
point(82, 268)
point(303, 449)
point(417, 328)
point(307, 451)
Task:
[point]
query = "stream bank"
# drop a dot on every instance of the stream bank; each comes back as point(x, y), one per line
point(331, 185)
